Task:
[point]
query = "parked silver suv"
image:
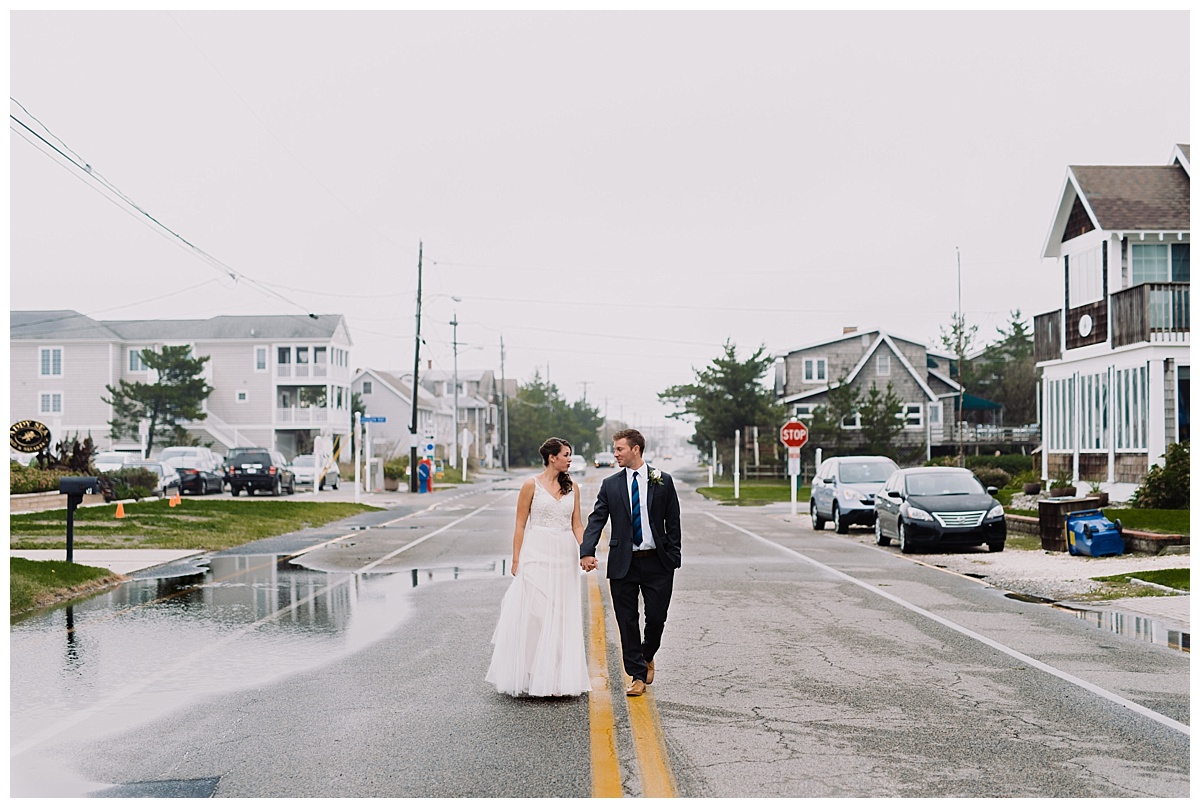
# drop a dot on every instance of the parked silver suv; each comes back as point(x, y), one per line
point(843, 492)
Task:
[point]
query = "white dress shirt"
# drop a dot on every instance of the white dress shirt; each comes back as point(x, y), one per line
point(643, 489)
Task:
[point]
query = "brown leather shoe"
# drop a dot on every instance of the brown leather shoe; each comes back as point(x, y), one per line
point(649, 671)
point(638, 688)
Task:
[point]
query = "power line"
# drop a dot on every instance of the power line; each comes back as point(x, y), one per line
point(83, 166)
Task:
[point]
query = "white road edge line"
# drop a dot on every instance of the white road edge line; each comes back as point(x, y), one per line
point(78, 718)
point(1096, 689)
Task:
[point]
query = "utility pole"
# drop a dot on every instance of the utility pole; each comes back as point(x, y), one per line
point(454, 323)
point(504, 400)
point(961, 327)
point(412, 455)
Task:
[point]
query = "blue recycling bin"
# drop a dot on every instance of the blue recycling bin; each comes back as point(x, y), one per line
point(1090, 533)
point(423, 475)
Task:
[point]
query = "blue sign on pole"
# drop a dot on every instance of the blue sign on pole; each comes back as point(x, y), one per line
point(373, 419)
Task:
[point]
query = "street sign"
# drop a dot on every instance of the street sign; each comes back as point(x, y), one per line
point(794, 434)
point(373, 419)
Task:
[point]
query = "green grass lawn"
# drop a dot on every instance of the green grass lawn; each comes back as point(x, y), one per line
point(757, 492)
point(1176, 578)
point(193, 525)
point(36, 583)
point(1148, 519)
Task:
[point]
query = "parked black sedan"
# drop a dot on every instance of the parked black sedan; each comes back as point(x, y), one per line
point(938, 506)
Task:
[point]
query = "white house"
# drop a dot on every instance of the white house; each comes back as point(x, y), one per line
point(278, 381)
point(1114, 359)
point(385, 395)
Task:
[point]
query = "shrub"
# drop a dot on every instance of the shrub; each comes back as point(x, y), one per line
point(991, 476)
point(129, 483)
point(1169, 485)
point(396, 468)
point(1027, 476)
point(1012, 463)
point(31, 480)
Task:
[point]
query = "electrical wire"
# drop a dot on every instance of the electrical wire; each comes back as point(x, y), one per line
point(87, 170)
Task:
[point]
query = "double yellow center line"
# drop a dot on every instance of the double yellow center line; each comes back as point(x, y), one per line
point(650, 753)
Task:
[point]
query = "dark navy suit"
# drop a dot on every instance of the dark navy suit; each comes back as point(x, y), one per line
point(651, 576)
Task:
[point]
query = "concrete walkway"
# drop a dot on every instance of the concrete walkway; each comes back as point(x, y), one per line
point(119, 561)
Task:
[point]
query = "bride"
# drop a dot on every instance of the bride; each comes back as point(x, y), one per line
point(539, 644)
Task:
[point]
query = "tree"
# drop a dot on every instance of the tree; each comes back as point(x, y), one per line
point(1007, 373)
point(880, 417)
point(177, 395)
point(827, 430)
point(728, 395)
point(538, 412)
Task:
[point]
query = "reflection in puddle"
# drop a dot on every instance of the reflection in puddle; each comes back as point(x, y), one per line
point(456, 573)
point(1135, 626)
point(152, 646)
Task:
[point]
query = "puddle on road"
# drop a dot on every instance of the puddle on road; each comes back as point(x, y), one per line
point(1138, 627)
point(152, 646)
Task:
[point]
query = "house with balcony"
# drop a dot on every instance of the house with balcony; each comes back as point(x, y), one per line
point(1114, 358)
point(278, 381)
point(921, 378)
point(478, 408)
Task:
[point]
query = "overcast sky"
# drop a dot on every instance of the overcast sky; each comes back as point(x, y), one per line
point(616, 194)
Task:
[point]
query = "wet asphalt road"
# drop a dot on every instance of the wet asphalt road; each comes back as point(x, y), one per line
point(779, 676)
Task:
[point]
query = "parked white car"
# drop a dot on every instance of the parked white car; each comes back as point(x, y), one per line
point(304, 467)
point(111, 461)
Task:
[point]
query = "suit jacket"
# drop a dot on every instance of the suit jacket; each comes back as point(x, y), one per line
point(612, 503)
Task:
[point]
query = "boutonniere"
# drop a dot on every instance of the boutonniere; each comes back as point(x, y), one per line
point(654, 476)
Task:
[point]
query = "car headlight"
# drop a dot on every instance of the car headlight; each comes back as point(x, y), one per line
point(850, 493)
point(913, 512)
point(995, 513)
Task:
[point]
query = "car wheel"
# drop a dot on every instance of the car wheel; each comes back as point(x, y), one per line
point(234, 491)
point(880, 539)
point(905, 544)
point(996, 546)
point(278, 489)
point(838, 525)
point(817, 522)
point(292, 486)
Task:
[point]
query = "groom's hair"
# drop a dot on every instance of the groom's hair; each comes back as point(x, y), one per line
point(633, 437)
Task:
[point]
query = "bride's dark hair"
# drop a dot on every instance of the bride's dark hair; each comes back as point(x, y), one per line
point(552, 447)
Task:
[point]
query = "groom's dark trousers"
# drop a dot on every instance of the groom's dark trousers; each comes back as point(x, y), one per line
point(632, 571)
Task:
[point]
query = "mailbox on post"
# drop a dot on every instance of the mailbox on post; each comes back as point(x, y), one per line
point(75, 488)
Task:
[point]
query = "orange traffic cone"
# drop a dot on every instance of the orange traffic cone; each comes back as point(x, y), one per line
point(173, 501)
point(120, 510)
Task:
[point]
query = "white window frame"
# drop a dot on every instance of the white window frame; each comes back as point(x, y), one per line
point(1134, 259)
point(43, 409)
point(1131, 408)
point(1093, 412)
point(910, 409)
point(50, 349)
point(935, 413)
point(135, 354)
point(855, 421)
point(367, 388)
point(883, 364)
point(816, 370)
point(804, 410)
point(266, 356)
point(241, 396)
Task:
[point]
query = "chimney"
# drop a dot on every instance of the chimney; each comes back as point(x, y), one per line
point(430, 366)
point(849, 329)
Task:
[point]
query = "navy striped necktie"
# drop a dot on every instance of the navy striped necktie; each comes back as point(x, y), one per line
point(637, 513)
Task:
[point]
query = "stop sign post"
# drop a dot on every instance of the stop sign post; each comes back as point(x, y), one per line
point(794, 434)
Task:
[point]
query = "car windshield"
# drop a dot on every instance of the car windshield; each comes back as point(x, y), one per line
point(261, 458)
point(147, 464)
point(304, 460)
point(875, 471)
point(110, 457)
point(941, 483)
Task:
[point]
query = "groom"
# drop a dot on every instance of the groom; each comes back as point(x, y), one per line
point(643, 551)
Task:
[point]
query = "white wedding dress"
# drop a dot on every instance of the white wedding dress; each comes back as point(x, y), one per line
point(538, 642)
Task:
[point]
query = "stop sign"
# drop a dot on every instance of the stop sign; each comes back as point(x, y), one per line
point(794, 434)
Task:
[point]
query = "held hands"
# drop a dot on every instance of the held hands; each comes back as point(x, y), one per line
point(588, 563)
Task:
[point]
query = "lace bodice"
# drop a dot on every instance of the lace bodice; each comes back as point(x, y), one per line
point(545, 511)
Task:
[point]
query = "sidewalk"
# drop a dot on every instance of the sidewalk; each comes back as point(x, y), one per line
point(119, 561)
